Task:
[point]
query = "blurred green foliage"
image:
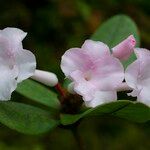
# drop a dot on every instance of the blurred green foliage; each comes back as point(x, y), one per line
point(53, 26)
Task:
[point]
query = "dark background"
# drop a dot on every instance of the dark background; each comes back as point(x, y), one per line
point(53, 26)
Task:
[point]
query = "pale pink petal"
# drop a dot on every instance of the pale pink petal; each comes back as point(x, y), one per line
point(137, 74)
point(6, 55)
point(7, 81)
point(143, 56)
point(14, 35)
point(74, 59)
point(144, 96)
point(95, 49)
point(142, 53)
point(134, 93)
point(77, 76)
point(26, 63)
point(132, 74)
point(124, 49)
point(108, 73)
point(102, 97)
point(10, 43)
point(83, 87)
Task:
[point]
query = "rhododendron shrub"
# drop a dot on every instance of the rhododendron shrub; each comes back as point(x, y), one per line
point(107, 63)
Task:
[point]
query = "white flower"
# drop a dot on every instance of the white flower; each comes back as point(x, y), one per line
point(16, 63)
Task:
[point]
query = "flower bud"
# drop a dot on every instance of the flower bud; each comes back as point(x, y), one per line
point(124, 49)
point(47, 78)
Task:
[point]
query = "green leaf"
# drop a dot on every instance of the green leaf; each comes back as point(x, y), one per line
point(38, 93)
point(136, 112)
point(100, 110)
point(115, 30)
point(25, 118)
point(133, 111)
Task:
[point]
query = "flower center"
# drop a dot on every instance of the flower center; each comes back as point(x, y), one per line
point(87, 76)
point(10, 54)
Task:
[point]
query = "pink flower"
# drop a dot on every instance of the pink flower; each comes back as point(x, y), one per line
point(137, 76)
point(124, 49)
point(16, 63)
point(94, 71)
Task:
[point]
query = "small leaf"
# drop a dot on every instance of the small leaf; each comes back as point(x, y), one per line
point(38, 93)
point(115, 30)
point(121, 108)
point(25, 118)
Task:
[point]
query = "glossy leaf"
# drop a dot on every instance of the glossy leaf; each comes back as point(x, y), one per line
point(38, 93)
point(115, 30)
point(124, 109)
point(25, 118)
point(137, 112)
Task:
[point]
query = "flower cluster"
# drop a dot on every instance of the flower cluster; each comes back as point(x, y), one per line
point(97, 74)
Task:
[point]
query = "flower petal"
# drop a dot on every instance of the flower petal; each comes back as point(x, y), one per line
point(6, 55)
point(7, 83)
point(142, 53)
point(137, 75)
point(83, 87)
point(124, 49)
point(14, 35)
point(143, 57)
point(26, 63)
point(74, 59)
point(102, 97)
point(108, 73)
point(10, 43)
point(134, 93)
point(144, 96)
point(95, 49)
point(132, 74)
